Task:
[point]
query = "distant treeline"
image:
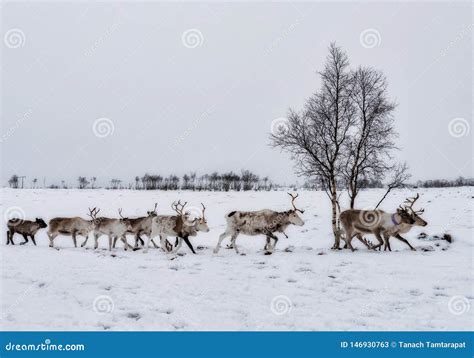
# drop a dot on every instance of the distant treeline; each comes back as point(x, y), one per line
point(444, 183)
point(215, 181)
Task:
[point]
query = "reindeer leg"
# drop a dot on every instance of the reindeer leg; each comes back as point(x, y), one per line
point(186, 240)
point(96, 241)
point(265, 248)
point(386, 245)
point(179, 242)
point(51, 238)
point(74, 238)
point(379, 238)
point(138, 239)
point(154, 244)
point(165, 244)
point(85, 241)
point(114, 242)
point(221, 237)
point(361, 239)
point(399, 237)
point(145, 248)
point(9, 239)
point(271, 248)
point(110, 242)
point(232, 242)
point(127, 246)
point(26, 239)
point(33, 239)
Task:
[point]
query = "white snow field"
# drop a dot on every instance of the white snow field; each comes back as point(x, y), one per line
point(303, 286)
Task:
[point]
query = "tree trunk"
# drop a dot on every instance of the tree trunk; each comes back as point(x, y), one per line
point(335, 228)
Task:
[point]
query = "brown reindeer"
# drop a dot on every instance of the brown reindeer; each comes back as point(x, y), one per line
point(381, 224)
point(412, 218)
point(141, 226)
point(25, 228)
point(263, 222)
point(71, 227)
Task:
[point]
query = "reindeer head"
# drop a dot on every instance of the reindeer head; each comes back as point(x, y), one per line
point(152, 213)
point(293, 216)
point(40, 223)
point(410, 216)
point(93, 215)
point(125, 221)
point(201, 223)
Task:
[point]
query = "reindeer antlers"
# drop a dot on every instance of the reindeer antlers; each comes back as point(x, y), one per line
point(203, 210)
point(154, 209)
point(409, 204)
point(120, 213)
point(93, 213)
point(178, 207)
point(293, 197)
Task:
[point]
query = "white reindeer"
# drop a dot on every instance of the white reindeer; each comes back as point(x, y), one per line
point(113, 228)
point(176, 225)
point(263, 222)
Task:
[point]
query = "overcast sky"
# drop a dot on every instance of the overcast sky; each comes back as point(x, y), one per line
point(115, 90)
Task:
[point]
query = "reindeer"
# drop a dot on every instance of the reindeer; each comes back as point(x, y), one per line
point(25, 228)
point(263, 222)
point(71, 226)
point(113, 228)
point(176, 225)
point(412, 219)
point(378, 222)
point(141, 226)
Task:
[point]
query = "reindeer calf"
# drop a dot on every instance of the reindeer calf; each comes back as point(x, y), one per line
point(25, 228)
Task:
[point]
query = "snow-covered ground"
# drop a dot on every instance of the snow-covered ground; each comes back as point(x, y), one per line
point(303, 286)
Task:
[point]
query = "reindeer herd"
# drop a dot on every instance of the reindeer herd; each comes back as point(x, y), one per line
point(182, 226)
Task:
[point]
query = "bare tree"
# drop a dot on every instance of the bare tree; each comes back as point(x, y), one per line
point(316, 137)
point(399, 178)
point(83, 182)
point(370, 143)
point(13, 181)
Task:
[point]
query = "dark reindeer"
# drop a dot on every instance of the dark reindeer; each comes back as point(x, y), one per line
point(25, 228)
